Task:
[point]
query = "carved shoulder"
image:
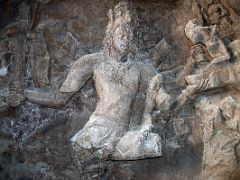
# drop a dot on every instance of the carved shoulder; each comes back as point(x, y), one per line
point(80, 72)
point(146, 70)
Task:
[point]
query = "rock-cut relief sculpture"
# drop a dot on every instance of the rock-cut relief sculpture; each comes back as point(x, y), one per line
point(217, 74)
point(214, 12)
point(12, 57)
point(216, 69)
point(121, 82)
point(221, 138)
point(208, 36)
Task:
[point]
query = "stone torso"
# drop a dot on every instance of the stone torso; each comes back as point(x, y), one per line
point(116, 85)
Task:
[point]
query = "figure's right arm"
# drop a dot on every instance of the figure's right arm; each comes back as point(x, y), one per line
point(54, 99)
point(81, 71)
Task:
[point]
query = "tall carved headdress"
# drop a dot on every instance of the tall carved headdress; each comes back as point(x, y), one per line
point(124, 14)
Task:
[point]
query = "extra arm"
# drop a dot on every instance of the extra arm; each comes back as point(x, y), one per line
point(158, 54)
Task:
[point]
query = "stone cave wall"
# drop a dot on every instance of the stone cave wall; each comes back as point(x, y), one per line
point(40, 41)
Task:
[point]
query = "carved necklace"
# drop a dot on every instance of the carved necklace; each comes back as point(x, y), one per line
point(125, 62)
point(118, 69)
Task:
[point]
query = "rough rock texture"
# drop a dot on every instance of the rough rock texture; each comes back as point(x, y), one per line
point(196, 104)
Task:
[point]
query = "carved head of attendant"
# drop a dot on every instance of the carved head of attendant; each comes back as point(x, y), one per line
point(194, 31)
point(230, 111)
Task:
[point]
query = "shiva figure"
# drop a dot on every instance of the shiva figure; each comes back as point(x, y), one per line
point(121, 82)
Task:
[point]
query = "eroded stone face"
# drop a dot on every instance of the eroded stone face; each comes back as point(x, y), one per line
point(122, 40)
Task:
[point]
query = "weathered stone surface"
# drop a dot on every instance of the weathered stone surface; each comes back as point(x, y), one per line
point(207, 36)
point(235, 5)
point(221, 139)
point(137, 144)
point(117, 79)
point(176, 97)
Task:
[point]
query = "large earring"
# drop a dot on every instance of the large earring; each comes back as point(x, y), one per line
point(110, 16)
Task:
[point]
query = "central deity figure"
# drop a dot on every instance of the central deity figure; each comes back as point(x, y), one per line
point(121, 83)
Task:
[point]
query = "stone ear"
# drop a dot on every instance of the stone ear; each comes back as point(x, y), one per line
point(111, 18)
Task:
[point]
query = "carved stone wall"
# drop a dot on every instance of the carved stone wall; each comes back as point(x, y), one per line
point(41, 40)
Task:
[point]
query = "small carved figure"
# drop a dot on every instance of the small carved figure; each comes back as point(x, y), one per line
point(12, 56)
point(230, 109)
point(198, 34)
point(211, 76)
point(216, 12)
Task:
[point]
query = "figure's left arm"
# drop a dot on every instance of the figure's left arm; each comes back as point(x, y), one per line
point(150, 102)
